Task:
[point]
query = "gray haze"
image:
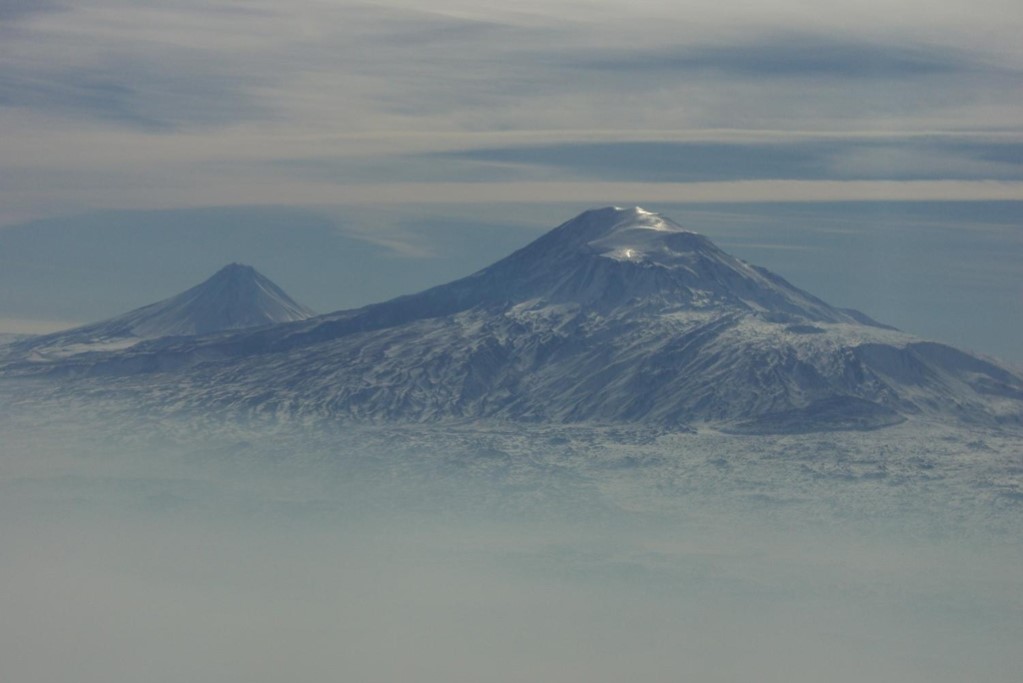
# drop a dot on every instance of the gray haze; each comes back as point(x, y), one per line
point(191, 550)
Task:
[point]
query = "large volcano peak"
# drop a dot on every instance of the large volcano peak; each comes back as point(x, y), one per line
point(609, 219)
point(628, 235)
point(614, 226)
point(612, 257)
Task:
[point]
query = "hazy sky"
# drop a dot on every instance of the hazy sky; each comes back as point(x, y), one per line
point(505, 108)
point(138, 104)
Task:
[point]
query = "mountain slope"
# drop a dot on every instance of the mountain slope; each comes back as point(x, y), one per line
point(235, 297)
point(619, 315)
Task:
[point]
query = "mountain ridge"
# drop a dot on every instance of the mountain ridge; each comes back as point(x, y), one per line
point(618, 315)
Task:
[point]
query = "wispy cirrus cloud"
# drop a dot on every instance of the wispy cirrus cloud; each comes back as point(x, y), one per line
point(189, 99)
point(11, 10)
point(795, 55)
point(847, 158)
point(153, 95)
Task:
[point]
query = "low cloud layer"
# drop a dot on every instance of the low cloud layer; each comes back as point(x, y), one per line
point(203, 551)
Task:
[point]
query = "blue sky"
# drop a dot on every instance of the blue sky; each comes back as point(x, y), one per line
point(515, 113)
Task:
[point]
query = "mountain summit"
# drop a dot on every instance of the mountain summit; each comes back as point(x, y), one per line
point(236, 297)
point(610, 262)
point(606, 258)
point(618, 315)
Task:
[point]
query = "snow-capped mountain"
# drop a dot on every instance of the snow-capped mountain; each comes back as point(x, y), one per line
point(616, 315)
point(235, 297)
